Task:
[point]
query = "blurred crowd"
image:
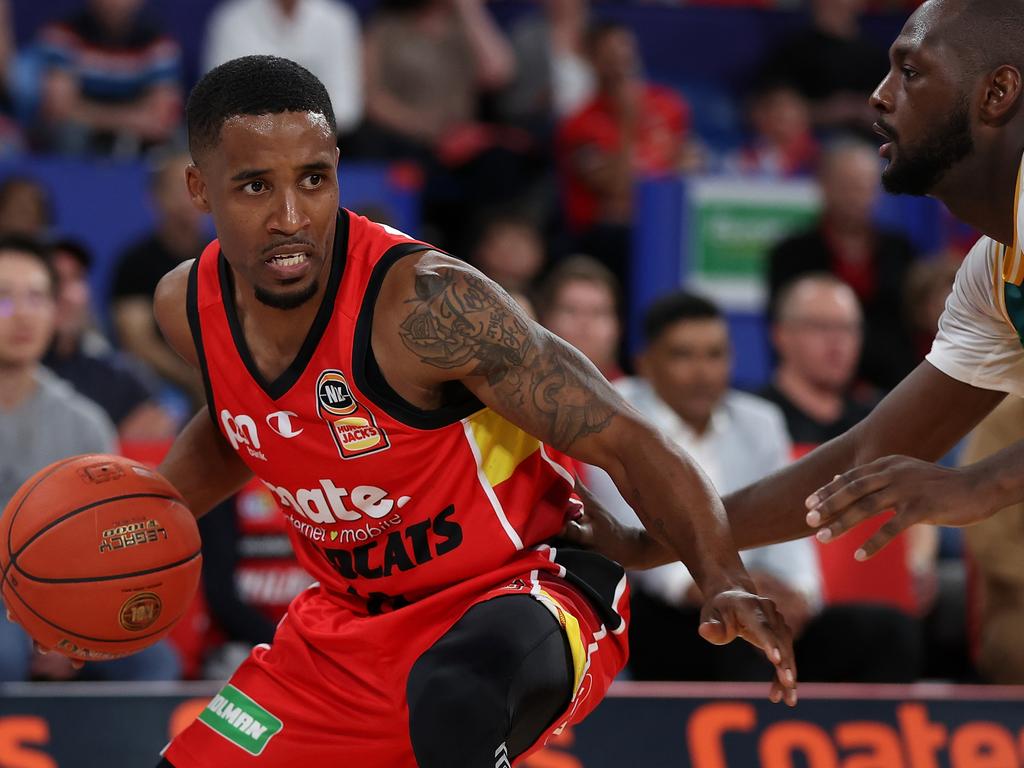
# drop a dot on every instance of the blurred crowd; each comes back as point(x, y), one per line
point(526, 135)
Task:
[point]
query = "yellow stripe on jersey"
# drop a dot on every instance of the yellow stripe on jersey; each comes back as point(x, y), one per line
point(998, 265)
point(1013, 264)
point(573, 633)
point(503, 446)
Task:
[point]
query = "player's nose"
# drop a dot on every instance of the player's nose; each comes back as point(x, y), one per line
point(881, 97)
point(288, 217)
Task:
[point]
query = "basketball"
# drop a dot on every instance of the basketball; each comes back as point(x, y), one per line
point(99, 557)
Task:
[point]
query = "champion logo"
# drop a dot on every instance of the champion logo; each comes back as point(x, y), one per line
point(501, 757)
point(281, 423)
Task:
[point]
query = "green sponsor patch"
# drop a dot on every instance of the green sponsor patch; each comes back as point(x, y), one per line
point(240, 720)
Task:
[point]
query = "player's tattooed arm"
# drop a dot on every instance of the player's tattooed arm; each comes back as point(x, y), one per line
point(458, 325)
point(458, 320)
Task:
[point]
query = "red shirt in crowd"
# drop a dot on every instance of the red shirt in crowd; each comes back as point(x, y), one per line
point(664, 118)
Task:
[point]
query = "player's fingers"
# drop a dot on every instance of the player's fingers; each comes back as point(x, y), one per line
point(842, 521)
point(845, 489)
point(10, 617)
point(579, 532)
point(716, 628)
point(892, 528)
point(40, 649)
point(765, 627)
point(573, 509)
point(76, 664)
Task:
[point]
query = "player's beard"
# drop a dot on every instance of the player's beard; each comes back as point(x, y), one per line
point(289, 300)
point(917, 170)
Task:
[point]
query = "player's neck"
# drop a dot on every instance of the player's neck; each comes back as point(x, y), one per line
point(980, 191)
point(274, 336)
point(821, 404)
point(17, 385)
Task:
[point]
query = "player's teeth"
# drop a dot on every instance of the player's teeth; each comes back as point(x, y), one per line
point(291, 260)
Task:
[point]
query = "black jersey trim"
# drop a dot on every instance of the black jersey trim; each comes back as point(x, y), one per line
point(195, 326)
point(280, 386)
point(367, 373)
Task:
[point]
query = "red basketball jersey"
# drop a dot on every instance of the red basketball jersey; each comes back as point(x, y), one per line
point(386, 503)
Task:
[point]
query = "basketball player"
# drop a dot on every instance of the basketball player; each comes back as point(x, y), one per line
point(951, 115)
point(411, 422)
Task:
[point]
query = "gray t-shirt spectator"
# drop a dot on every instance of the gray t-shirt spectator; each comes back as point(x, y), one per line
point(55, 423)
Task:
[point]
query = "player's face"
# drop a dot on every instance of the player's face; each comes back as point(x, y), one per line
point(26, 310)
point(689, 367)
point(271, 186)
point(924, 112)
point(819, 337)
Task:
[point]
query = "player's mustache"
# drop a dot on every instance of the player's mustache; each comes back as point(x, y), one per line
point(283, 243)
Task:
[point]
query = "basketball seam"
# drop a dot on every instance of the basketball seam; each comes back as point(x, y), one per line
point(14, 514)
point(90, 579)
point(86, 508)
point(67, 631)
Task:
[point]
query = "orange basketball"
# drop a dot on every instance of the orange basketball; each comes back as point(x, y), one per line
point(99, 557)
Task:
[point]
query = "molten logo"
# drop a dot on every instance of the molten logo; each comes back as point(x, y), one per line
point(139, 612)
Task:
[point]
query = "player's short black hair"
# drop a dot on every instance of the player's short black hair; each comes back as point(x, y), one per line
point(34, 249)
point(251, 85)
point(674, 308)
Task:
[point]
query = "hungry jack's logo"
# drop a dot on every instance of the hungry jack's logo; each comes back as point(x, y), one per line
point(353, 428)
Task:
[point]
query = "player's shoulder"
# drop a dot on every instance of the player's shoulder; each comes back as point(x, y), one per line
point(979, 269)
point(171, 312)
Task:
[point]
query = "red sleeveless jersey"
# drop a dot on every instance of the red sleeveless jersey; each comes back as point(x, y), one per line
point(385, 503)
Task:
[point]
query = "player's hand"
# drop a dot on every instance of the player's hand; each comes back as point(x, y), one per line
point(42, 650)
point(916, 491)
point(593, 527)
point(738, 613)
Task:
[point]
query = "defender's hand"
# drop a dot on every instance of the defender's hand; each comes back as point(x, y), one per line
point(918, 492)
point(739, 613)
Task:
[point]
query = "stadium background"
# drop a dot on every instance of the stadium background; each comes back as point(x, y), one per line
point(688, 229)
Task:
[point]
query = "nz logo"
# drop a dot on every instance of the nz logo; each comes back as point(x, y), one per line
point(353, 427)
point(333, 394)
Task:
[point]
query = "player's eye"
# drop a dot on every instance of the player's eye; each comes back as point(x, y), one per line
point(313, 181)
point(254, 187)
point(908, 73)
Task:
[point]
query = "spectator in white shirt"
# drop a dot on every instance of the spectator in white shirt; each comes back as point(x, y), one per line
point(322, 35)
point(736, 439)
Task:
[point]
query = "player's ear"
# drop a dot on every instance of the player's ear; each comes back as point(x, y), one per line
point(1003, 91)
point(196, 187)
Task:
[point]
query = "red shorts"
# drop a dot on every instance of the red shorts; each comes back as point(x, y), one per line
point(331, 689)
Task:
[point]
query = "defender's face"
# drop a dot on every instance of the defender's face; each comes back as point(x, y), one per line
point(924, 112)
point(271, 186)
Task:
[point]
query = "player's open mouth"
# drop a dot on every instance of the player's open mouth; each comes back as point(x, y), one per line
point(287, 266)
point(887, 138)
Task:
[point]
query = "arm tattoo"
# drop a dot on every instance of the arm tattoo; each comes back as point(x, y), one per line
point(460, 320)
